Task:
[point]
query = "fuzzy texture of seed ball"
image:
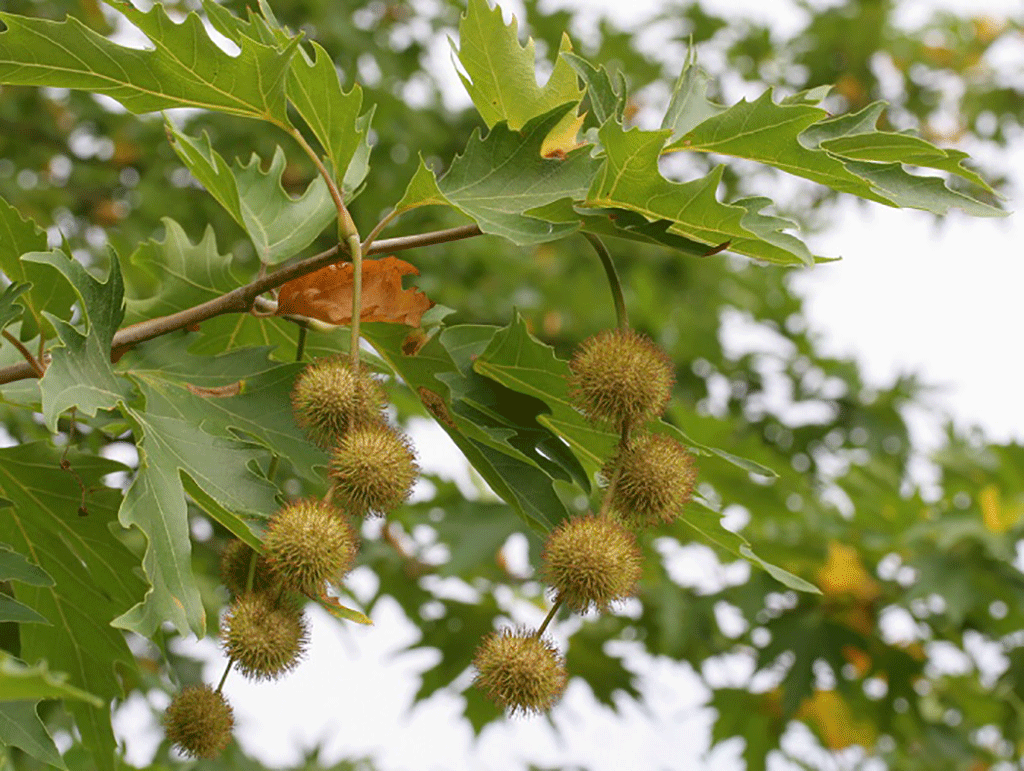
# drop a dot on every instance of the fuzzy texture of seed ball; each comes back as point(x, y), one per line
point(308, 543)
point(199, 721)
point(521, 673)
point(235, 563)
point(655, 480)
point(373, 470)
point(265, 639)
point(620, 378)
point(330, 398)
point(592, 562)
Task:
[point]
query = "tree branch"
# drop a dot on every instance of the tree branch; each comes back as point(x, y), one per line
point(241, 300)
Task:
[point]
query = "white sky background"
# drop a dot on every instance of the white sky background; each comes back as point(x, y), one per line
point(943, 301)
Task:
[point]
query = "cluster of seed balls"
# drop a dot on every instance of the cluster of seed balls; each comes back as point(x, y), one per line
point(620, 380)
point(308, 544)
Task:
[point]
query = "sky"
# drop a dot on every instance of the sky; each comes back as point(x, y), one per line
point(910, 295)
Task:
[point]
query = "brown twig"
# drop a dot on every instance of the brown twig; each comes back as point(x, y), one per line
point(241, 300)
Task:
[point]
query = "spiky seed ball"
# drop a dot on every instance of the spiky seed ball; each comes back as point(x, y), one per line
point(620, 377)
point(592, 562)
point(520, 672)
point(199, 721)
point(234, 570)
point(655, 482)
point(330, 398)
point(373, 469)
point(308, 543)
point(265, 639)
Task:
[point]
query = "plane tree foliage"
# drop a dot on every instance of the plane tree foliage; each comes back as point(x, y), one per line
point(148, 173)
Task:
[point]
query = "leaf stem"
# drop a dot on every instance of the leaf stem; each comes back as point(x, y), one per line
point(26, 353)
point(613, 280)
point(300, 343)
point(551, 614)
point(220, 685)
point(345, 221)
point(356, 250)
point(379, 227)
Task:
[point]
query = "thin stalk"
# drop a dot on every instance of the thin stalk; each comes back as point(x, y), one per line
point(378, 228)
point(220, 685)
point(25, 353)
point(275, 461)
point(613, 280)
point(345, 221)
point(549, 616)
point(356, 250)
point(300, 344)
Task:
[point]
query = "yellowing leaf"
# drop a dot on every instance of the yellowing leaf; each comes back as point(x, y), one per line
point(997, 517)
point(326, 294)
point(844, 573)
point(831, 715)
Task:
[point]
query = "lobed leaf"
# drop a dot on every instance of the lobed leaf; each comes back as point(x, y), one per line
point(93, 573)
point(629, 179)
point(80, 374)
point(846, 153)
point(278, 225)
point(20, 236)
point(501, 177)
point(184, 68)
point(501, 79)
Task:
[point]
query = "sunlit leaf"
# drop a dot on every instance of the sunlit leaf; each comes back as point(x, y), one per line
point(184, 67)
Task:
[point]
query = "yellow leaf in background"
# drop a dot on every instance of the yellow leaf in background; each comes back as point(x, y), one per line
point(832, 716)
point(997, 517)
point(844, 573)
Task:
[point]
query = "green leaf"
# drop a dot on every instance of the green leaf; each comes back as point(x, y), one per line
point(177, 455)
point(799, 138)
point(10, 310)
point(20, 682)
point(180, 273)
point(256, 407)
point(502, 79)
point(19, 236)
point(502, 176)
point(80, 374)
point(94, 577)
point(185, 68)
point(21, 727)
point(14, 567)
point(498, 416)
point(607, 99)
point(629, 180)
point(520, 483)
point(278, 225)
point(332, 114)
point(782, 576)
point(689, 105)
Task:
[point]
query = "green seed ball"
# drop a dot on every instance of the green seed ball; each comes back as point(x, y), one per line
point(235, 562)
point(265, 639)
point(199, 721)
point(373, 469)
point(655, 481)
point(309, 543)
point(330, 398)
point(592, 562)
point(520, 672)
point(620, 378)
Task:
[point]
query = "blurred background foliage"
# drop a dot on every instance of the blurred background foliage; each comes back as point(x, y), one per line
point(909, 567)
